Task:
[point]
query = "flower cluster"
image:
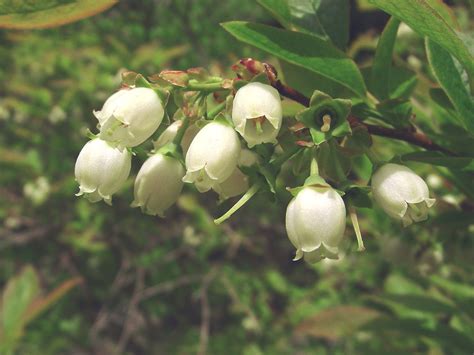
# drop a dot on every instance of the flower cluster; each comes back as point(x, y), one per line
point(238, 147)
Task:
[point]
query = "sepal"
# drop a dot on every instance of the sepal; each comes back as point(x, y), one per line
point(171, 150)
point(334, 163)
point(326, 117)
point(313, 180)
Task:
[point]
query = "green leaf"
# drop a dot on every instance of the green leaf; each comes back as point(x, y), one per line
point(328, 19)
point(430, 19)
point(358, 196)
point(395, 112)
point(436, 158)
point(419, 302)
point(448, 76)
point(439, 96)
point(401, 82)
point(306, 81)
point(48, 13)
point(304, 50)
point(335, 18)
point(18, 295)
point(336, 322)
point(462, 180)
point(380, 75)
point(444, 335)
point(457, 289)
point(299, 15)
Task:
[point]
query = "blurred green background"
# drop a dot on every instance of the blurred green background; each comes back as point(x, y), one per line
point(127, 283)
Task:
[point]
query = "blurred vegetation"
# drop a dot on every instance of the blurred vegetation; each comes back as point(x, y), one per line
point(133, 284)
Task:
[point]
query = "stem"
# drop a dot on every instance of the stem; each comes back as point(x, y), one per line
point(291, 93)
point(243, 200)
point(355, 224)
point(314, 170)
point(208, 87)
point(216, 110)
point(407, 135)
point(412, 136)
point(180, 134)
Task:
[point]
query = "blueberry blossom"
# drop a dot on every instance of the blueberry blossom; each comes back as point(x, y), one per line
point(130, 116)
point(101, 170)
point(238, 182)
point(212, 156)
point(257, 113)
point(169, 133)
point(315, 223)
point(158, 184)
point(401, 193)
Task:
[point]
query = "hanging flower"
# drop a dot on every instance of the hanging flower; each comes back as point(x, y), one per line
point(315, 223)
point(158, 184)
point(101, 170)
point(129, 117)
point(212, 156)
point(238, 182)
point(401, 193)
point(257, 113)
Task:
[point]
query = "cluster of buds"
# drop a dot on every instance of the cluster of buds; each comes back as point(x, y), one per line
point(237, 148)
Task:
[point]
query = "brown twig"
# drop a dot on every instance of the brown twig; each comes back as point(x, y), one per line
point(168, 286)
point(205, 311)
point(291, 93)
point(129, 324)
point(411, 135)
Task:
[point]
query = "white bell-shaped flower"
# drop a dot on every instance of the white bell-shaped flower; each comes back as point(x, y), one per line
point(129, 117)
point(158, 184)
point(238, 182)
point(257, 113)
point(109, 106)
point(212, 156)
point(315, 223)
point(169, 133)
point(101, 170)
point(401, 193)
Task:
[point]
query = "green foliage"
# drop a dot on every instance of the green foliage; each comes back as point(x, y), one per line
point(449, 77)
point(328, 19)
point(21, 303)
point(436, 158)
point(381, 67)
point(306, 51)
point(48, 13)
point(183, 284)
point(433, 20)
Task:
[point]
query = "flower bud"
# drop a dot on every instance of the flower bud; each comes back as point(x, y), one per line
point(101, 170)
point(315, 223)
point(257, 113)
point(129, 117)
point(401, 193)
point(238, 182)
point(212, 156)
point(158, 184)
point(169, 133)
